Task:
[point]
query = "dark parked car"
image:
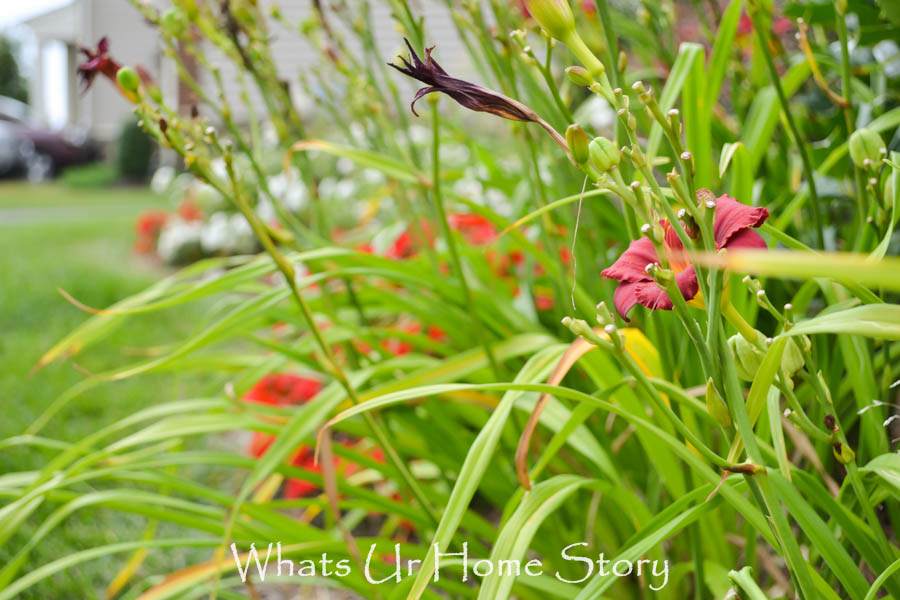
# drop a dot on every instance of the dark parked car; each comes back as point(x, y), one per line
point(29, 148)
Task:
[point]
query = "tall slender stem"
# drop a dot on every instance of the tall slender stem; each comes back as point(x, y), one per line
point(471, 305)
point(799, 141)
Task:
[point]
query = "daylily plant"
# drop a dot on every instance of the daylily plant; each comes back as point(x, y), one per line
point(732, 228)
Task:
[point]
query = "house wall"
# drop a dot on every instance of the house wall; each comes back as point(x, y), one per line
point(294, 55)
point(132, 41)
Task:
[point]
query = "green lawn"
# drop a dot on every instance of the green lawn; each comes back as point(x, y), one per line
point(79, 240)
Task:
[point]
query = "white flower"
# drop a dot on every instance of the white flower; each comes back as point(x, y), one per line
point(266, 211)
point(176, 235)
point(470, 188)
point(218, 168)
point(455, 155)
point(162, 179)
point(344, 189)
point(358, 132)
point(345, 166)
point(373, 176)
point(419, 135)
point(214, 234)
point(241, 239)
point(289, 190)
point(498, 201)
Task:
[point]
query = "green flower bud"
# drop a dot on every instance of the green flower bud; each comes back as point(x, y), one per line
point(866, 144)
point(716, 405)
point(577, 140)
point(155, 93)
point(189, 7)
point(604, 154)
point(792, 359)
point(843, 453)
point(554, 16)
point(579, 76)
point(747, 357)
point(174, 23)
point(128, 79)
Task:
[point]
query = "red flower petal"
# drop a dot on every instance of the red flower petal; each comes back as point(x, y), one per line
point(687, 283)
point(747, 238)
point(732, 217)
point(630, 267)
point(649, 294)
point(625, 298)
point(652, 296)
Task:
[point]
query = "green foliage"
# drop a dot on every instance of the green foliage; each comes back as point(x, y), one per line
point(441, 279)
point(134, 152)
point(12, 83)
point(97, 175)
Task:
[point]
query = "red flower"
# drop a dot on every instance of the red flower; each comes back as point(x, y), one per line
point(476, 229)
point(399, 347)
point(147, 228)
point(401, 248)
point(283, 389)
point(189, 211)
point(98, 61)
point(782, 25)
point(732, 229)
point(745, 25)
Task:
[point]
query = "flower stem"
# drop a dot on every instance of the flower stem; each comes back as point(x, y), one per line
point(799, 141)
point(451, 241)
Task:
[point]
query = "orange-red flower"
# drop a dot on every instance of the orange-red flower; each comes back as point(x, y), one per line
point(476, 229)
point(732, 228)
point(285, 389)
point(147, 228)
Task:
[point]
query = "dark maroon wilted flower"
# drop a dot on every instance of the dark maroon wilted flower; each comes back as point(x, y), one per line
point(98, 61)
point(470, 95)
point(732, 228)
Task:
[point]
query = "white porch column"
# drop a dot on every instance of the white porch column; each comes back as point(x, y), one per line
point(36, 84)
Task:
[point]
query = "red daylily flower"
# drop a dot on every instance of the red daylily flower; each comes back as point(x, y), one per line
point(398, 347)
point(98, 61)
point(285, 389)
point(189, 211)
point(731, 228)
point(147, 228)
point(401, 248)
point(476, 229)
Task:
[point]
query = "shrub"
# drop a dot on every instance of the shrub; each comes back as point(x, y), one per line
point(95, 175)
point(134, 152)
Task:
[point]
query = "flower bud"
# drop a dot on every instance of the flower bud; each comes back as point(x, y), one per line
point(792, 359)
point(577, 140)
point(716, 405)
point(554, 16)
point(579, 76)
point(604, 154)
point(190, 8)
point(174, 22)
point(866, 144)
point(747, 357)
point(128, 79)
point(843, 453)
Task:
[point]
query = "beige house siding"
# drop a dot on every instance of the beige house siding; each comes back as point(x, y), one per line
point(102, 110)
